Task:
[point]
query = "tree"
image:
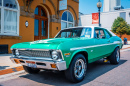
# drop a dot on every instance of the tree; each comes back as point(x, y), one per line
point(120, 27)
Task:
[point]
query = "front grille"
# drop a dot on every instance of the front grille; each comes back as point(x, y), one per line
point(34, 53)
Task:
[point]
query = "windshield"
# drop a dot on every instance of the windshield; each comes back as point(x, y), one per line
point(75, 32)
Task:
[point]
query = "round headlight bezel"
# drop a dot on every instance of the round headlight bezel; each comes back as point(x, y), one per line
point(16, 52)
point(55, 55)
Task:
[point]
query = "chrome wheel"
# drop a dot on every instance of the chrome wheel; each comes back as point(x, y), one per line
point(79, 68)
point(118, 56)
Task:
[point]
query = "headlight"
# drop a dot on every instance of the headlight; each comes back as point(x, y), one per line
point(16, 52)
point(55, 55)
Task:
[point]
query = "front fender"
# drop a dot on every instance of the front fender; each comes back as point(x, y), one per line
point(73, 53)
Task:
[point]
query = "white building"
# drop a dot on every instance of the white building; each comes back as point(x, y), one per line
point(111, 5)
point(107, 18)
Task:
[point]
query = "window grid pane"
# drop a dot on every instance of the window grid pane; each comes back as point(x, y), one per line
point(68, 19)
point(43, 13)
point(64, 25)
point(10, 4)
point(10, 21)
point(0, 2)
point(64, 16)
point(36, 28)
point(36, 11)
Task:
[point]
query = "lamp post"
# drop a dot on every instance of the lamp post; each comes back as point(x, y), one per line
point(99, 5)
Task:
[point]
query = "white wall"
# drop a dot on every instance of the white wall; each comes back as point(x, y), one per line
point(110, 4)
point(107, 18)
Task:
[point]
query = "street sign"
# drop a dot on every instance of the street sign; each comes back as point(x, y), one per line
point(63, 5)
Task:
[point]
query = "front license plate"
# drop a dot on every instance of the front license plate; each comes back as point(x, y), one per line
point(31, 64)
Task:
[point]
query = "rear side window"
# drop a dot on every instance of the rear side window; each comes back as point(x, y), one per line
point(107, 34)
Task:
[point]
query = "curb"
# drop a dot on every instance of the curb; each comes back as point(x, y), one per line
point(125, 48)
point(10, 76)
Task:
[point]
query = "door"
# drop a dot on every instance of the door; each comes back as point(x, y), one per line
point(40, 24)
point(101, 42)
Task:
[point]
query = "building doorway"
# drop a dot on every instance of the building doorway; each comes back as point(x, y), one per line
point(40, 24)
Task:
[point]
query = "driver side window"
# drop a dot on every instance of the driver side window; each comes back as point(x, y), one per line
point(99, 33)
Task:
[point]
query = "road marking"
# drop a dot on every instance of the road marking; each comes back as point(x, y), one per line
point(11, 70)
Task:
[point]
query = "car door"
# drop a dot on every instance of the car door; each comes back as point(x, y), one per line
point(101, 43)
point(110, 42)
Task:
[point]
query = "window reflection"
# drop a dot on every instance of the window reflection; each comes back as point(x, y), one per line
point(10, 4)
point(67, 20)
point(0, 2)
point(43, 13)
point(10, 21)
point(70, 18)
point(64, 16)
point(36, 27)
point(36, 11)
point(43, 28)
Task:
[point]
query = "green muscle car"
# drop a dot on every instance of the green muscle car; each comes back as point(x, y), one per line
point(70, 51)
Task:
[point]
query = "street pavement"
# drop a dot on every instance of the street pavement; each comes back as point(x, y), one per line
point(98, 74)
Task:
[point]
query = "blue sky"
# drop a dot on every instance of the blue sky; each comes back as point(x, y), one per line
point(90, 6)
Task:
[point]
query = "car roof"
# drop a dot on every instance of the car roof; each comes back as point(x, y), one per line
point(83, 27)
point(92, 28)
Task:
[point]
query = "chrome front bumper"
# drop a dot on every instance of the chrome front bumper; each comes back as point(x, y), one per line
point(42, 64)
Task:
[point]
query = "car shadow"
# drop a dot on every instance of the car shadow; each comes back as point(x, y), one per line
point(95, 70)
point(3, 67)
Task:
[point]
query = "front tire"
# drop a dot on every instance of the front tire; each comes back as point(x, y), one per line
point(115, 56)
point(77, 70)
point(31, 70)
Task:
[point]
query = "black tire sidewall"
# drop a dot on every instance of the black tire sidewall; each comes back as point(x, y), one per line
point(113, 58)
point(72, 65)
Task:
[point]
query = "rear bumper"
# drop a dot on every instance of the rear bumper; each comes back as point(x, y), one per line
point(42, 64)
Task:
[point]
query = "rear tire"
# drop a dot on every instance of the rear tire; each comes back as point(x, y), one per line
point(77, 69)
point(115, 56)
point(31, 70)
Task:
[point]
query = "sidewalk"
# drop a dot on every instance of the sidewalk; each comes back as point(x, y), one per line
point(7, 66)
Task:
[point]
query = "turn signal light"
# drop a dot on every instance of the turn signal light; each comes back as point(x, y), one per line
point(53, 65)
point(17, 61)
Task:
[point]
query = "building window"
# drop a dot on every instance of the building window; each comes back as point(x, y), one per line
point(67, 20)
point(9, 17)
point(123, 15)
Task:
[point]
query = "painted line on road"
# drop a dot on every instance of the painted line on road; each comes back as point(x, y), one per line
point(11, 70)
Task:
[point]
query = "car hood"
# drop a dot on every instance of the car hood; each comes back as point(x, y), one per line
point(43, 44)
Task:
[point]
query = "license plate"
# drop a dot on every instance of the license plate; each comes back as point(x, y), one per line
point(31, 64)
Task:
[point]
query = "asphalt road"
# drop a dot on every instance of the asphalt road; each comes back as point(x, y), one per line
point(98, 74)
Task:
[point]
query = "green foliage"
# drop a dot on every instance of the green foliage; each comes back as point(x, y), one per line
point(120, 27)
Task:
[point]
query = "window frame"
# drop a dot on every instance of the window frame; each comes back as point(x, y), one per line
point(2, 19)
point(99, 32)
point(68, 22)
point(108, 33)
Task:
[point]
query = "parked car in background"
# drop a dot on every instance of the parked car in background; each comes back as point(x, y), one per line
point(70, 51)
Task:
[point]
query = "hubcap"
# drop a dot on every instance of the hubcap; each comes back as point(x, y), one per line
point(79, 68)
point(118, 56)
